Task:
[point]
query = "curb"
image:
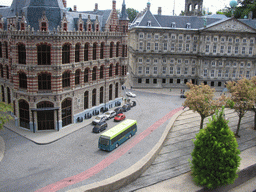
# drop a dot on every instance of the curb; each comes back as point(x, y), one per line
point(2, 148)
point(132, 173)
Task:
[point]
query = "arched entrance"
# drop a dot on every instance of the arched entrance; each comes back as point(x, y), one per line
point(66, 107)
point(45, 117)
point(24, 114)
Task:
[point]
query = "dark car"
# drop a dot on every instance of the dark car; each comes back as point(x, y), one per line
point(133, 103)
point(126, 107)
point(183, 96)
point(118, 110)
point(99, 127)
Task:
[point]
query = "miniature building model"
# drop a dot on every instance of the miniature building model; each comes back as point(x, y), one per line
point(168, 51)
point(60, 66)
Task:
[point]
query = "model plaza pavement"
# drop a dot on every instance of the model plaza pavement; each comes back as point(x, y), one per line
point(74, 163)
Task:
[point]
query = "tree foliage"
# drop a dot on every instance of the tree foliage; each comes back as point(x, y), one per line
point(253, 83)
point(242, 96)
point(215, 158)
point(200, 98)
point(132, 13)
point(4, 116)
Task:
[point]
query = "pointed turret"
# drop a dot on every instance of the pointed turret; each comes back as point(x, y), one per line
point(123, 15)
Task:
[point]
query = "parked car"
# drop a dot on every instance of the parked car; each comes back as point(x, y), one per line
point(119, 117)
point(99, 118)
point(130, 94)
point(183, 96)
point(99, 127)
point(118, 110)
point(126, 107)
point(133, 103)
point(110, 114)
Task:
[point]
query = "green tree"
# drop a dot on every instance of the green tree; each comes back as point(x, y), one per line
point(132, 13)
point(241, 95)
point(253, 95)
point(200, 98)
point(4, 116)
point(215, 158)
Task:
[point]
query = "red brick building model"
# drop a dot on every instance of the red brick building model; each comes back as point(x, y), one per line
point(59, 66)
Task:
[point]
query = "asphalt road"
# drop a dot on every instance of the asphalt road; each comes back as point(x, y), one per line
point(27, 166)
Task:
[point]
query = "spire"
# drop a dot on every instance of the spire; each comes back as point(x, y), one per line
point(124, 15)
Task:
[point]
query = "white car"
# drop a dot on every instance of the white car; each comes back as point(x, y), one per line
point(99, 118)
point(130, 94)
point(110, 114)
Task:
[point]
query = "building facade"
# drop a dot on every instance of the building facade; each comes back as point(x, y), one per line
point(168, 51)
point(59, 66)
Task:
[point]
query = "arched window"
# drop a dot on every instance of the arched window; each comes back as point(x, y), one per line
point(1, 54)
point(80, 27)
point(7, 72)
point(89, 27)
point(22, 26)
point(3, 94)
point(101, 72)
point(66, 54)
point(66, 79)
point(117, 69)
point(117, 49)
point(77, 77)
point(102, 51)
point(22, 80)
point(24, 114)
point(101, 95)
point(94, 97)
point(66, 107)
point(94, 52)
point(111, 49)
point(2, 70)
point(111, 70)
point(116, 90)
point(45, 118)
point(77, 49)
point(97, 27)
point(86, 100)
point(65, 26)
point(8, 95)
point(86, 75)
point(43, 55)
point(86, 52)
point(44, 81)
point(6, 50)
point(22, 54)
point(94, 73)
point(110, 92)
point(123, 51)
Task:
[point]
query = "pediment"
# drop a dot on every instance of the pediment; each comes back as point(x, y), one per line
point(231, 25)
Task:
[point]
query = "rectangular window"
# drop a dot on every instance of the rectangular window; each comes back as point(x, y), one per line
point(172, 61)
point(214, 49)
point(155, 70)
point(164, 60)
point(156, 36)
point(234, 73)
point(212, 73)
point(179, 60)
point(250, 51)
point(140, 60)
point(141, 36)
point(230, 39)
point(222, 49)
point(205, 72)
point(219, 73)
point(241, 73)
point(173, 37)
point(229, 49)
point(149, 36)
point(236, 50)
point(171, 70)
point(207, 49)
point(140, 70)
point(164, 70)
point(186, 61)
point(194, 48)
point(147, 81)
point(244, 40)
point(237, 40)
point(155, 81)
point(215, 39)
point(187, 47)
point(141, 46)
point(180, 47)
point(185, 71)
point(195, 38)
point(247, 74)
point(213, 63)
point(220, 63)
point(165, 46)
point(226, 73)
point(155, 60)
point(148, 46)
point(193, 70)
point(243, 50)
point(147, 70)
point(178, 70)
point(172, 47)
point(156, 46)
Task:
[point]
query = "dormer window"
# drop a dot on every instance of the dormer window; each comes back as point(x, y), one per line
point(65, 26)
point(80, 27)
point(43, 26)
point(89, 27)
point(173, 25)
point(22, 26)
point(149, 23)
point(188, 25)
point(1, 26)
point(97, 28)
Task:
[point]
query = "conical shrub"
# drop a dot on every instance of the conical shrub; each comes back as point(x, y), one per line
point(215, 158)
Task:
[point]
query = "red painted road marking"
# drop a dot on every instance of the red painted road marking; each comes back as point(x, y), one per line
point(108, 160)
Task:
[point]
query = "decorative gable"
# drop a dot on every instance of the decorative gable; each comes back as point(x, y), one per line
point(43, 22)
point(231, 25)
point(64, 23)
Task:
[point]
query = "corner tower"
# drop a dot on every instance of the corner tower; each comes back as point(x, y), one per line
point(193, 7)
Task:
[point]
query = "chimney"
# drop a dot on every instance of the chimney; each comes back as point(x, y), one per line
point(148, 6)
point(74, 7)
point(114, 5)
point(159, 10)
point(64, 3)
point(96, 7)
